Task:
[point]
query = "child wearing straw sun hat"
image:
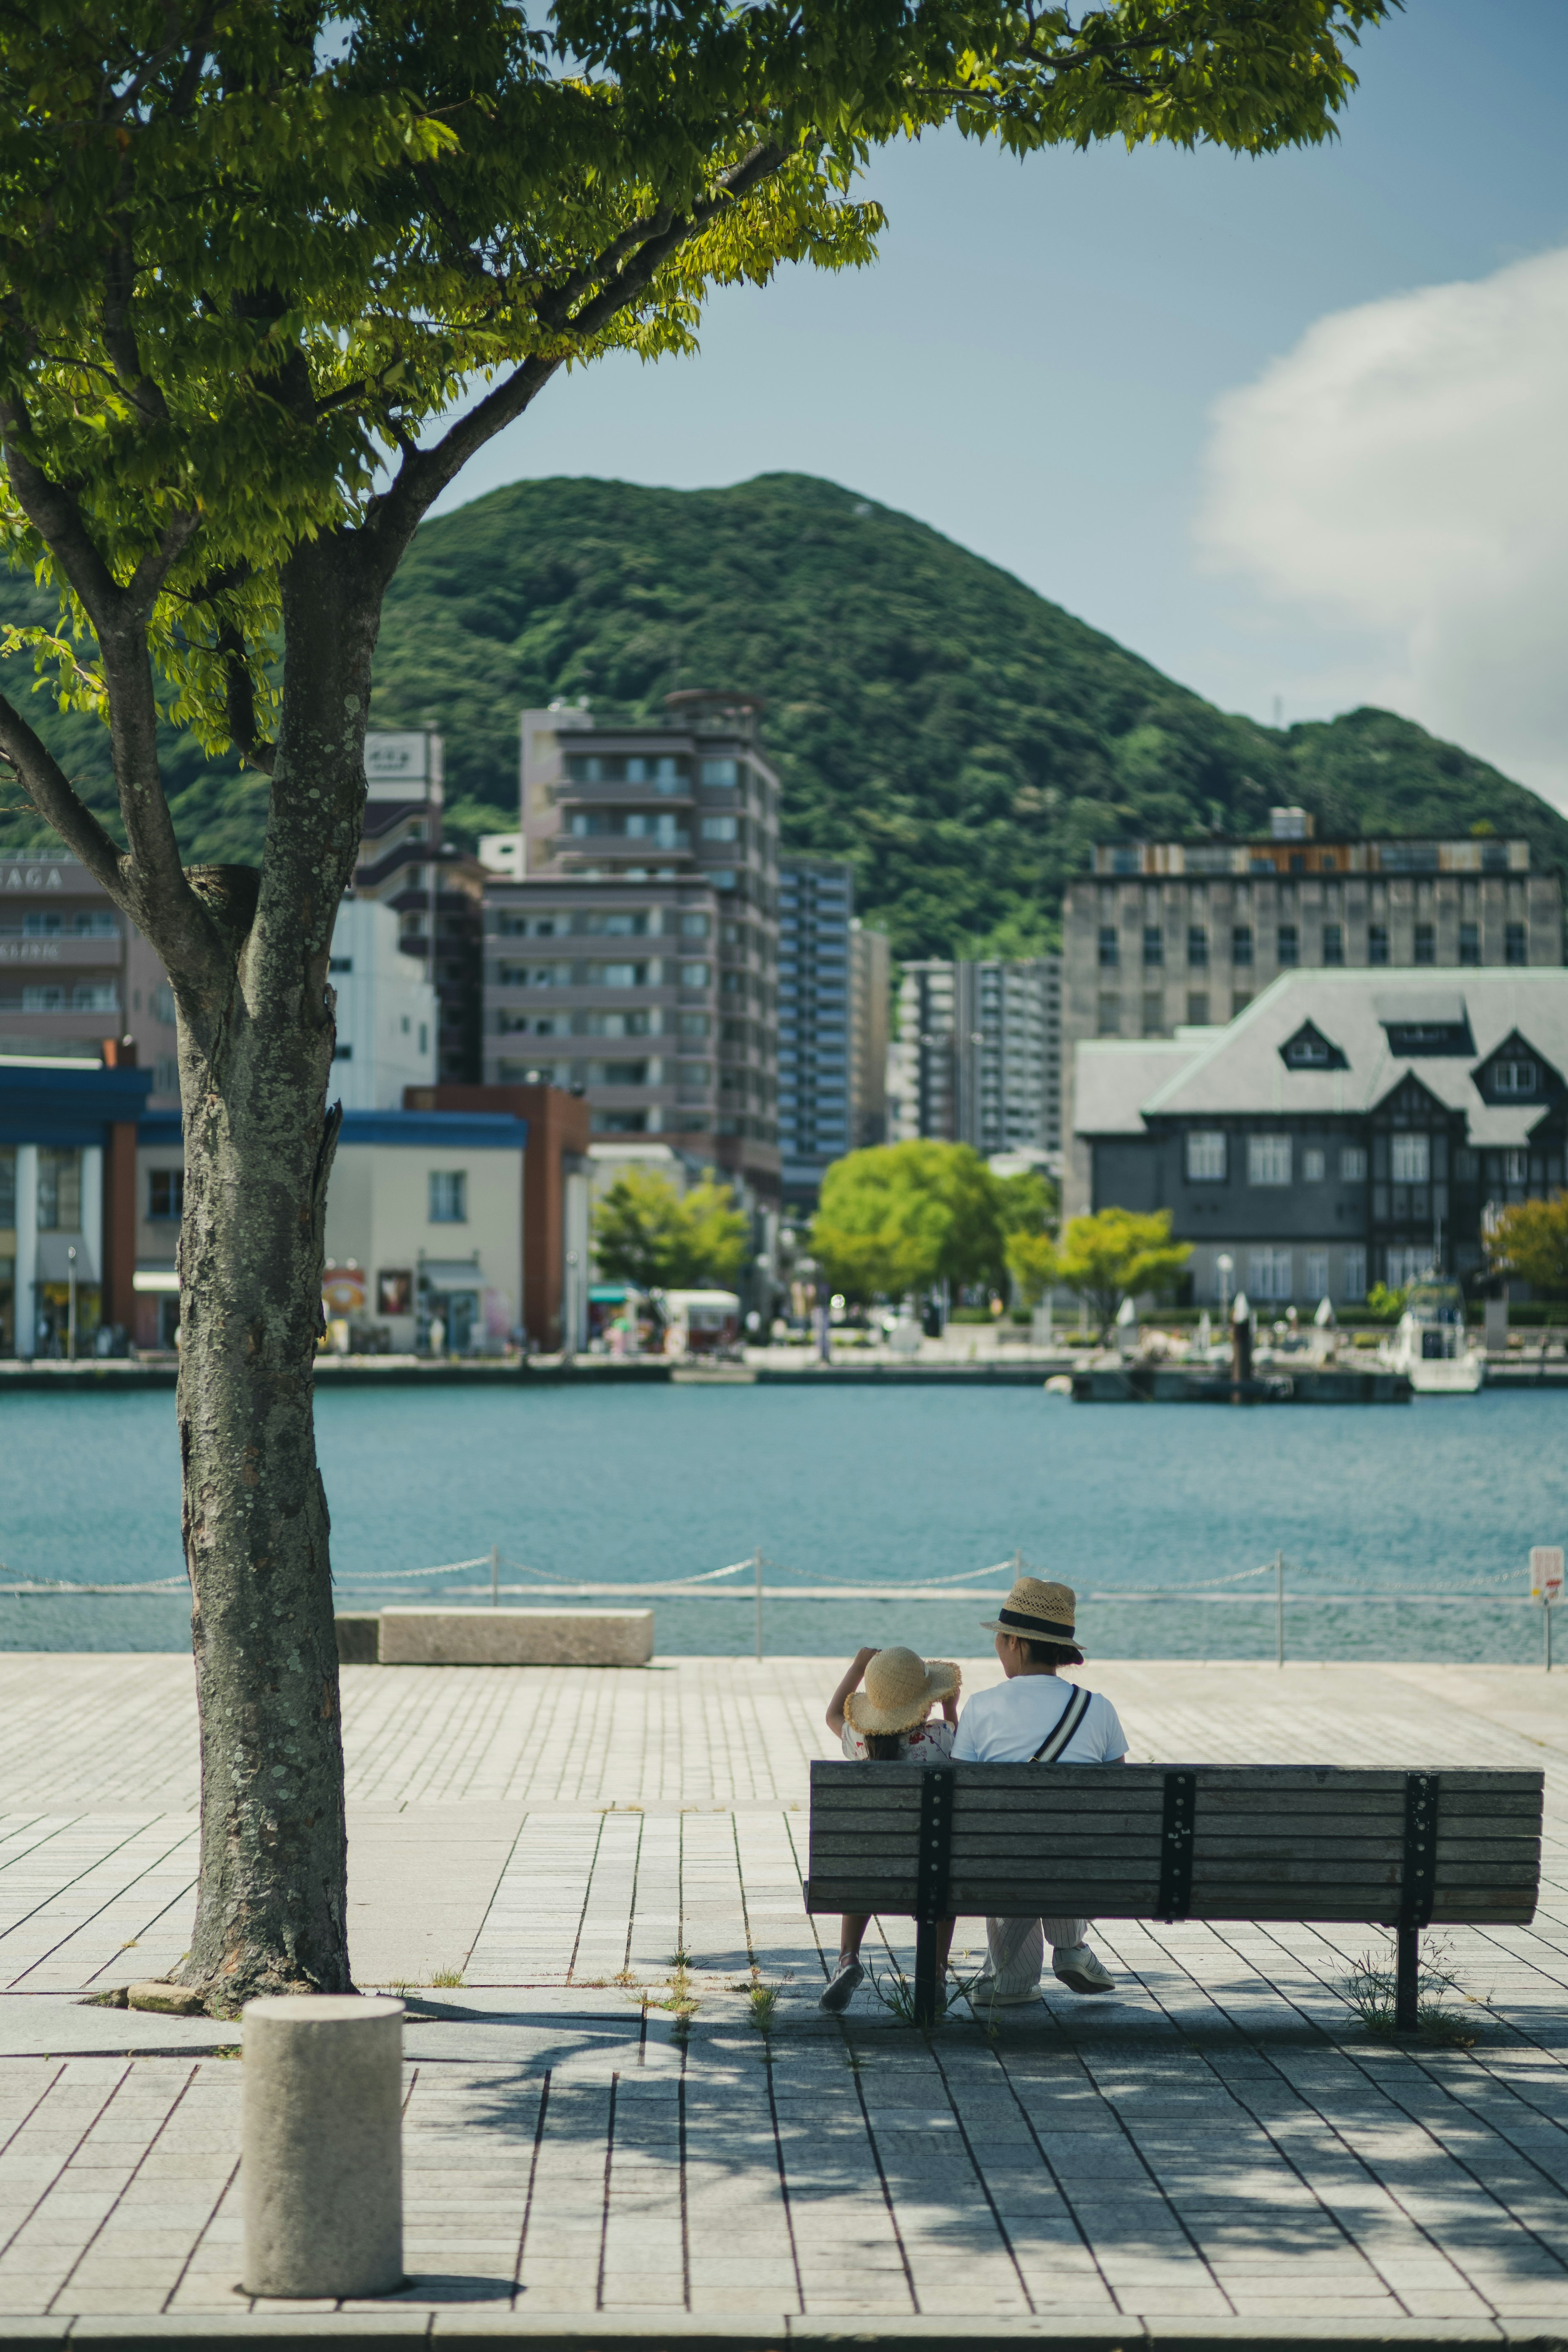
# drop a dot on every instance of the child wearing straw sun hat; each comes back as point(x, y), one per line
point(887, 1723)
point(1034, 1717)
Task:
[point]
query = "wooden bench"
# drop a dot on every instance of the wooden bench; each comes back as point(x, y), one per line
point(1171, 1842)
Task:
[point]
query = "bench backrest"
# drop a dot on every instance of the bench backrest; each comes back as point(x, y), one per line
point(1175, 1841)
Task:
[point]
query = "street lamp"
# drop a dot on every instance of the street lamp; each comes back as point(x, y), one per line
point(1225, 1266)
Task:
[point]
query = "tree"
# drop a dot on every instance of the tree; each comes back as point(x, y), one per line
point(1116, 1255)
point(646, 1235)
point(1530, 1242)
point(272, 272)
point(902, 1217)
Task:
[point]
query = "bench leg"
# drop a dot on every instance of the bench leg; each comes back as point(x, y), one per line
point(1405, 2015)
point(927, 1976)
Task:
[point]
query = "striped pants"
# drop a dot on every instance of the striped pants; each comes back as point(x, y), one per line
point(1017, 1948)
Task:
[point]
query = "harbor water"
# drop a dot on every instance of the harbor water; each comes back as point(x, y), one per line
point(1405, 1532)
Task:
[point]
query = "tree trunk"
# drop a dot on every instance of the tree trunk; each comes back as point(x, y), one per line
point(260, 1138)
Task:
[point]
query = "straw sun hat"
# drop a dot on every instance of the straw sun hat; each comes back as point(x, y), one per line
point(1036, 1611)
point(899, 1692)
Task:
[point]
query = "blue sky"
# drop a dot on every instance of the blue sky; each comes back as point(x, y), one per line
point(1034, 367)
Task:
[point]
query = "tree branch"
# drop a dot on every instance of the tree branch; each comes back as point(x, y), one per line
point(57, 802)
point(633, 257)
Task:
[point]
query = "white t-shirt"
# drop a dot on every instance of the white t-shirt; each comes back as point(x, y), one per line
point(928, 1743)
point(1005, 1726)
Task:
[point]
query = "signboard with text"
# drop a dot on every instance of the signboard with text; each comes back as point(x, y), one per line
point(1546, 1572)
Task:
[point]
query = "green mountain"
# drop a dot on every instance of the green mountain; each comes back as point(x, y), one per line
point(934, 720)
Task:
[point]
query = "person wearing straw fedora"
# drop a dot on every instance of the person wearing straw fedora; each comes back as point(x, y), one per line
point(887, 1723)
point(1032, 1717)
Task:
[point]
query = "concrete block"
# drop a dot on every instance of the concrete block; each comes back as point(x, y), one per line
point(359, 1639)
point(322, 2159)
point(516, 1637)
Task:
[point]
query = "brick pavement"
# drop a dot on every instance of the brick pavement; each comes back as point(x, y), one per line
point(1218, 2149)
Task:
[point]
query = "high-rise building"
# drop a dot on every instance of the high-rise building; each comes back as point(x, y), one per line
point(388, 1011)
point(636, 958)
point(869, 1009)
point(1161, 936)
point(977, 1058)
point(437, 891)
point(816, 1109)
point(75, 971)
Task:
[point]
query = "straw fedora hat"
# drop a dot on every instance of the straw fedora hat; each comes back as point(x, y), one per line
point(1036, 1612)
point(899, 1692)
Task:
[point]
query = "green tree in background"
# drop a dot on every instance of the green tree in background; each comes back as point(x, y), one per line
point(1112, 1255)
point(647, 1233)
point(1529, 1241)
point(274, 271)
point(902, 1217)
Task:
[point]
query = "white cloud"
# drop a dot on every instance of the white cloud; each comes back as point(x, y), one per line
point(1401, 478)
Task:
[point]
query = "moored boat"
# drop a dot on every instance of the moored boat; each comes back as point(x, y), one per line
point(1430, 1346)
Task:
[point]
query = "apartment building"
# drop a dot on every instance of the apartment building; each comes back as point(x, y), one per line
point(436, 892)
point(387, 1013)
point(74, 971)
point(977, 1058)
point(1161, 936)
point(637, 957)
point(871, 1028)
point(817, 1022)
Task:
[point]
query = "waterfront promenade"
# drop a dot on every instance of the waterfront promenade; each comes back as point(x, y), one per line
point(599, 2140)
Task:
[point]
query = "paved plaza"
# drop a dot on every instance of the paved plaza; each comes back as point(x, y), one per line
point(600, 2139)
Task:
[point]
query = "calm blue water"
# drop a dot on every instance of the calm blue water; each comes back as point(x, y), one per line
point(1385, 1505)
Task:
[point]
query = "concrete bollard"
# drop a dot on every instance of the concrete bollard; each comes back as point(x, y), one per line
point(321, 2149)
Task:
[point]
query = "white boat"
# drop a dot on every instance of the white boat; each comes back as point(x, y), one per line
point(1430, 1346)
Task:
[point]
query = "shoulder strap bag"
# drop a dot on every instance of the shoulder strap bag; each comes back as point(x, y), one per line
point(1072, 1715)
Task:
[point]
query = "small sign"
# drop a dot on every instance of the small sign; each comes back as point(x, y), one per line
point(1546, 1572)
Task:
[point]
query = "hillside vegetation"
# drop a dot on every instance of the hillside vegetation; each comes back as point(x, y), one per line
point(959, 738)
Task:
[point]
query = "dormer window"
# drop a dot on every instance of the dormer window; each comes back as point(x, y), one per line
point(1518, 1077)
point(1308, 1049)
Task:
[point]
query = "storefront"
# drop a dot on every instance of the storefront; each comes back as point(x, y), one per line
point(66, 1181)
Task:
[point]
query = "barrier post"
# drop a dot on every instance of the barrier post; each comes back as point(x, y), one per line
point(1279, 1609)
point(495, 1576)
point(321, 2139)
point(757, 1569)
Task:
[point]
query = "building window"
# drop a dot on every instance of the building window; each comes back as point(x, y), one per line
point(1206, 1155)
point(1110, 945)
point(1268, 1274)
point(161, 1004)
point(1515, 948)
point(43, 1000)
point(1197, 944)
point(1515, 1168)
point(694, 975)
point(166, 1075)
point(343, 1052)
point(721, 773)
point(1333, 943)
point(1426, 943)
point(59, 1189)
point(165, 1195)
point(448, 1196)
point(1110, 1017)
point(340, 963)
point(1241, 943)
point(1240, 998)
point(1470, 943)
point(1317, 1274)
point(693, 1024)
point(1268, 1160)
point(424, 1037)
point(720, 828)
point(1314, 1164)
point(1290, 944)
point(1411, 1159)
point(1153, 943)
point(1154, 1013)
point(1516, 1077)
point(1197, 1010)
point(1352, 1288)
point(1408, 1264)
point(1377, 943)
point(694, 927)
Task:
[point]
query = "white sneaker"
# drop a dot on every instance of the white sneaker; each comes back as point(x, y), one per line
point(982, 1994)
point(842, 1987)
point(1077, 1966)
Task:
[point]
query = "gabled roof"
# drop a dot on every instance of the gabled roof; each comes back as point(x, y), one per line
point(1240, 1070)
